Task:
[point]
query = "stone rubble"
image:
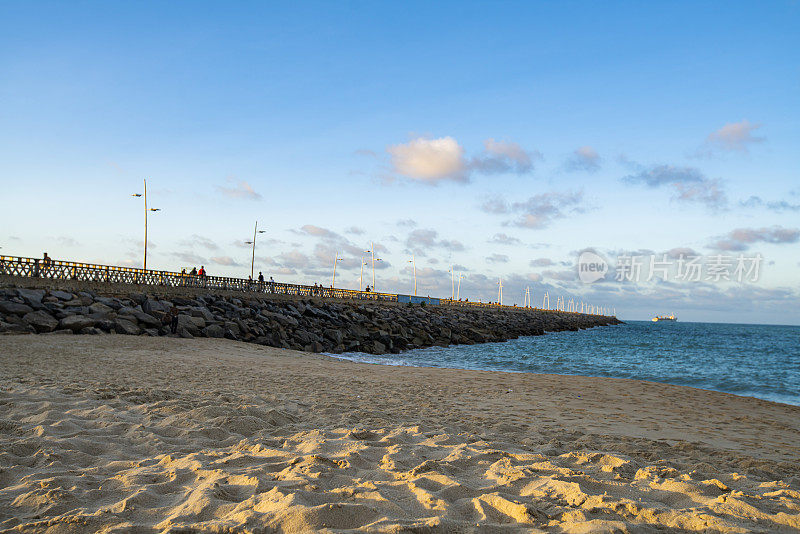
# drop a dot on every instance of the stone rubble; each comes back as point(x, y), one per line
point(311, 324)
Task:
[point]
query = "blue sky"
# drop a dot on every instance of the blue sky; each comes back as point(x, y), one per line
point(503, 138)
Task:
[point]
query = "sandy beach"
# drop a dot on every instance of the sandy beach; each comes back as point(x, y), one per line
point(136, 434)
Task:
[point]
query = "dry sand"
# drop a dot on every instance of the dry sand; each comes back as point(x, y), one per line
point(137, 434)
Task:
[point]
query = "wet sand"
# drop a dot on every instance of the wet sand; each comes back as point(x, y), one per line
point(128, 433)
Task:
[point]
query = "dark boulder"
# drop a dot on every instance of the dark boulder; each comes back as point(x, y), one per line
point(76, 323)
point(8, 307)
point(32, 297)
point(41, 321)
point(123, 326)
point(214, 330)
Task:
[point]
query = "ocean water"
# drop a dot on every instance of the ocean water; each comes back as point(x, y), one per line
point(760, 361)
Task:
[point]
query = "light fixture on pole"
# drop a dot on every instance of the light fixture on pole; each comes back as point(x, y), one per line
point(414, 267)
point(256, 231)
point(145, 218)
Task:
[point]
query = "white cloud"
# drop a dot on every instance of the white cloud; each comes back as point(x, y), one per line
point(293, 259)
point(67, 241)
point(422, 240)
point(734, 136)
point(774, 205)
point(429, 160)
point(497, 258)
point(504, 239)
point(199, 241)
point(189, 258)
point(241, 190)
point(435, 160)
point(584, 158)
point(225, 260)
point(677, 252)
point(317, 231)
point(503, 156)
point(689, 184)
point(741, 238)
point(538, 211)
point(708, 192)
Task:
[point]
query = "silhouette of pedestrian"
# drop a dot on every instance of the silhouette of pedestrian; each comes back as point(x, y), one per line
point(173, 324)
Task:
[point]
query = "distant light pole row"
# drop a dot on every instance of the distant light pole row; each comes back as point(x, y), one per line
point(455, 294)
point(371, 252)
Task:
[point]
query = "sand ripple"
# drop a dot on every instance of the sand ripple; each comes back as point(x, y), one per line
point(83, 461)
point(94, 457)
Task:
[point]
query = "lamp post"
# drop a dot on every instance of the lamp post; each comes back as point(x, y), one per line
point(453, 283)
point(373, 272)
point(374, 259)
point(335, 259)
point(414, 266)
point(361, 275)
point(253, 242)
point(458, 291)
point(145, 218)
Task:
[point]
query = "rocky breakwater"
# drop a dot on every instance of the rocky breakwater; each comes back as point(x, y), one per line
point(312, 325)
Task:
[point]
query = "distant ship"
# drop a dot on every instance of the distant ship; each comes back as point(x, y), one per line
point(670, 317)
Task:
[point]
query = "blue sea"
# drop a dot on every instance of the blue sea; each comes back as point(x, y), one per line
point(760, 361)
